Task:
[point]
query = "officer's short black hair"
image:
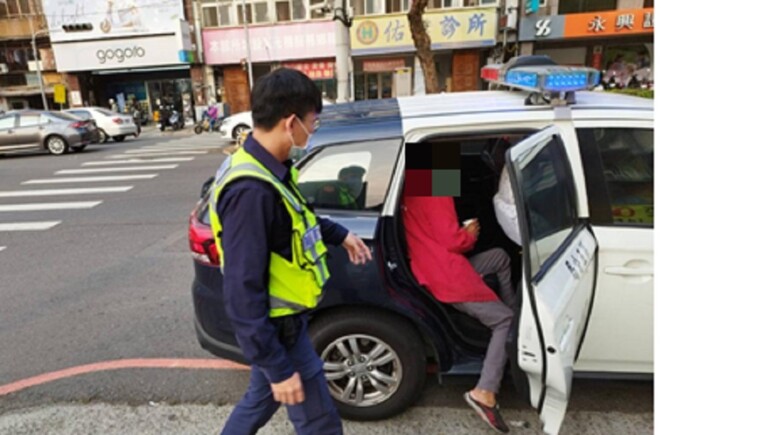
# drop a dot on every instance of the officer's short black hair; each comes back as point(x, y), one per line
point(282, 93)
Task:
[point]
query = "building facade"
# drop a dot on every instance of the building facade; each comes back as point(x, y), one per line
point(614, 36)
point(20, 84)
point(131, 52)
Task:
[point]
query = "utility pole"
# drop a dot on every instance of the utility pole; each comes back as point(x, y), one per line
point(38, 66)
point(343, 23)
point(248, 50)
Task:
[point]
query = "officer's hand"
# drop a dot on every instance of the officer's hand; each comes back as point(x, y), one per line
point(357, 250)
point(290, 391)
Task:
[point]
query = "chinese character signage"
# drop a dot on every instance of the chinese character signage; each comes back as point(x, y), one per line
point(311, 40)
point(592, 24)
point(316, 70)
point(447, 29)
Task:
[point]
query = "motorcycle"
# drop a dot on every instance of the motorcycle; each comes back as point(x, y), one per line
point(205, 125)
point(170, 117)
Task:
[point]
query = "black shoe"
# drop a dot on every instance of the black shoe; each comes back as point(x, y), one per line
point(489, 414)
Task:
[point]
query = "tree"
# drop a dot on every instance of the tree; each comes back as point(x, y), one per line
point(423, 44)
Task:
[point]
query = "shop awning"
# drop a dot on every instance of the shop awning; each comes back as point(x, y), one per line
point(23, 91)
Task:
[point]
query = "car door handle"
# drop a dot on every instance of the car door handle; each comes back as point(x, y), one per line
point(629, 271)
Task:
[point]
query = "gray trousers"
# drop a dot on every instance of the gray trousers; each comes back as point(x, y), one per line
point(496, 315)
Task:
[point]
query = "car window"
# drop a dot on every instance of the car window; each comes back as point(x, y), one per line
point(549, 202)
point(59, 117)
point(80, 113)
point(619, 174)
point(349, 176)
point(105, 112)
point(7, 122)
point(29, 120)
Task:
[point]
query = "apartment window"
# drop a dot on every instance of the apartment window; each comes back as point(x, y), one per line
point(398, 6)
point(579, 6)
point(15, 8)
point(255, 12)
point(316, 14)
point(220, 13)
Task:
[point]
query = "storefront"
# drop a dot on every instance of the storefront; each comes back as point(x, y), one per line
point(308, 47)
point(619, 43)
point(384, 57)
point(138, 56)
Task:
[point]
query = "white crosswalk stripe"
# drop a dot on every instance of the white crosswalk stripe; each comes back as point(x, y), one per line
point(175, 153)
point(119, 169)
point(164, 150)
point(2, 248)
point(65, 180)
point(28, 226)
point(49, 206)
point(134, 161)
point(61, 192)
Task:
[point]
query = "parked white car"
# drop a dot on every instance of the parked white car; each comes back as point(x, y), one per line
point(110, 124)
point(240, 122)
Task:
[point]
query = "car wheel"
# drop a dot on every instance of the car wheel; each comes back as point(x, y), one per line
point(56, 145)
point(119, 138)
point(198, 129)
point(375, 364)
point(78, 149)
point(103, 136)
point(239, 130)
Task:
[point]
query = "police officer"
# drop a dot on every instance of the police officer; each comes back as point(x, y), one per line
point(273, 258)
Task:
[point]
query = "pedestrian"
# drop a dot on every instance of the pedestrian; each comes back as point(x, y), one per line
point(273, 259)
point(113, 105)
point(437, 244)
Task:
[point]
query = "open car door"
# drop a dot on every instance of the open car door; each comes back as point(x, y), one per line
point(559, 265)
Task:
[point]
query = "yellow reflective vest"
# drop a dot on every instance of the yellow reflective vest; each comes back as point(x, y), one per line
point(296, 285)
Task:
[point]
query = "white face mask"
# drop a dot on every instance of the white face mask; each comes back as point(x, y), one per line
point(309, 135)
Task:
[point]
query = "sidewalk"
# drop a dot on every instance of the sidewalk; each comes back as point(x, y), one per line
point(105, 419)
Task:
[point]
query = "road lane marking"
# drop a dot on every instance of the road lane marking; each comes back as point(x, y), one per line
point(2, 248)
point(174, 153)
point(28, 226)
point(118, 169)
point(73, 191)
point(143, 363)
point(166, 150)
point(132, 161)
point(50, 206)
point(90, 179)
point(175, 147)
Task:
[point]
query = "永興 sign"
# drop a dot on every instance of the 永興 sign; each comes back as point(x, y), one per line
point(589, 25)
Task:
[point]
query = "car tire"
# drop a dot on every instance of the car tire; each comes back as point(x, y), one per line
point(119, 138)
point(400, 376)
point(237, 131)
point(198, 129)
point(78, 149)
point(56, 145)
point(103, 136)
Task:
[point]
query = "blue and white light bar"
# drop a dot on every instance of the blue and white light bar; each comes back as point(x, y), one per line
point(542, 78)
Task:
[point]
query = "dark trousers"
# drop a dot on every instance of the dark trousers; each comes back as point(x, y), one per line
point(317, 415)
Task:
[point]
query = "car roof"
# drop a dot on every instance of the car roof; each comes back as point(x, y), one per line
point(379, 119)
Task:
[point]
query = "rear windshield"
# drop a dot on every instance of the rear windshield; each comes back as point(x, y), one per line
point(59, 116)
point(106, 112)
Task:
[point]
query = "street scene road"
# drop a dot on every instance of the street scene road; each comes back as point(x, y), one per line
point(96, 272)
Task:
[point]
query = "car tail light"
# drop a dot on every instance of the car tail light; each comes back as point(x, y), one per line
point(201, 243)
point(79, 124)
point(117, 120)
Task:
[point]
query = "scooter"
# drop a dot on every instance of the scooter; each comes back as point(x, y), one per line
point(205, 125)
point(170, 117)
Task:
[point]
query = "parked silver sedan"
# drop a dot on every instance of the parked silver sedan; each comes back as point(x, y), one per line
point(52, 131)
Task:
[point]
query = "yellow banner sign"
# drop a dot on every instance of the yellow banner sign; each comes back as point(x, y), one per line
point(448, 29)
point(59, 94)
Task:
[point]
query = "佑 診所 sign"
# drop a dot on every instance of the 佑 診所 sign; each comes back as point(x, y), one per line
point(463, 28)
point(588, 25)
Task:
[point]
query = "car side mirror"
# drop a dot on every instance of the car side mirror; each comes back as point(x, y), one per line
point(206, 186)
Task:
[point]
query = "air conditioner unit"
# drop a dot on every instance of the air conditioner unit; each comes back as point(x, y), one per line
point(3, 68)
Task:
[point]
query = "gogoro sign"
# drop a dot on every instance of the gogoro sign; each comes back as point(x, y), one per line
point(119, 55)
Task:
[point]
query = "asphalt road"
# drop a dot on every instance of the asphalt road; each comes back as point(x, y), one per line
point(110, 280)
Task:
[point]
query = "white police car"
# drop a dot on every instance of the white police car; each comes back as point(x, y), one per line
point(581, 168)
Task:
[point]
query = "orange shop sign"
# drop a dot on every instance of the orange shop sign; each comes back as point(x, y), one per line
point(612, 23)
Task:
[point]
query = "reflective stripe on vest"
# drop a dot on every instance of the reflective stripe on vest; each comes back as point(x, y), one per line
point(296, 285)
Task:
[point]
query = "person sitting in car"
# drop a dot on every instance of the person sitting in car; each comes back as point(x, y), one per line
point(436, 243)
